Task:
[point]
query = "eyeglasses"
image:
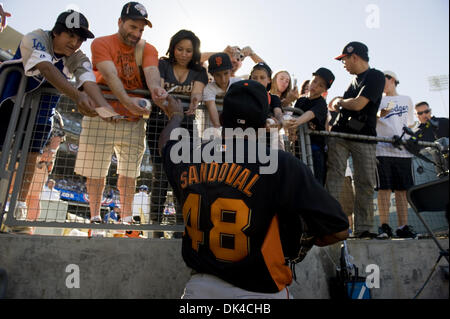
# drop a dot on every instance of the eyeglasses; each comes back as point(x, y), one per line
point(345, 58)
point(426, 112)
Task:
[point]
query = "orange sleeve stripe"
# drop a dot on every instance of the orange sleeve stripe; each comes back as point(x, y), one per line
point(272, 252)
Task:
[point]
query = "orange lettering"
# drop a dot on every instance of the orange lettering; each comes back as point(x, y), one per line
point(184, 180)
point(242, 179)
point(213, 172)
point(250, 185)
point(193, 176)
point(223, 172)
point(234, 170)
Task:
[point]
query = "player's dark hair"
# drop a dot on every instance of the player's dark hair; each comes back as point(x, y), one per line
point(181, 35)
point(60, 28)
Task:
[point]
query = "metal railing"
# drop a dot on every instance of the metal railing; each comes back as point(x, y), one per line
point(68, 214)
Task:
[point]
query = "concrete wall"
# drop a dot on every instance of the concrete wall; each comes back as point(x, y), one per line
point(153, 269)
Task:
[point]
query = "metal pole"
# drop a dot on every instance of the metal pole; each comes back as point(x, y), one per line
point(5, 173)
point(369, 138)
point(34, 106)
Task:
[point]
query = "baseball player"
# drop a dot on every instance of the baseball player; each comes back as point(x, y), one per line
point(237, 219)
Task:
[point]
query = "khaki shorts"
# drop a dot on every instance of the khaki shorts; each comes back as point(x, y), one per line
point(99, 140)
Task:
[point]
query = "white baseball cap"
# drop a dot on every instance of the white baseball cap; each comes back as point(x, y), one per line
point(393, 75)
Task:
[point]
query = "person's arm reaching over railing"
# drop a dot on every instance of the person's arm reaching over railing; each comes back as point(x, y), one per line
point(57, 79)
point(109, 73)
point(153, 78)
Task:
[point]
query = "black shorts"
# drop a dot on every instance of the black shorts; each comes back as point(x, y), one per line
point(394, 173)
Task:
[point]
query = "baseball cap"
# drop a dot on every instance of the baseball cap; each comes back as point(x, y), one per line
point(246, 104)
point(143, 188)
point(219, 62)
point(357, 48)
point(392, 75)
point(262, 65)
point(135, 11)
point(76, 22)
point(327, 75)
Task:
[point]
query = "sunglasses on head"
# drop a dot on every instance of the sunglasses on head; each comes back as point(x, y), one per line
point(426, 112)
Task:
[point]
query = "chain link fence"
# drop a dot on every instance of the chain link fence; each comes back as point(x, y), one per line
point(60, 200)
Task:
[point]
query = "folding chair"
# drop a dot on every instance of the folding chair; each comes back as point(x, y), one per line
point(430, 197)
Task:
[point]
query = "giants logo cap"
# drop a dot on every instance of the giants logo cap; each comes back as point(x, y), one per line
point(219, 62)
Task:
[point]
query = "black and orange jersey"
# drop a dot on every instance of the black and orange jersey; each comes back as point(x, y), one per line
point(233, 216)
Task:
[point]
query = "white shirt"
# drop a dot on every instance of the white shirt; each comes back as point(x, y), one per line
point(50, 194)
point(212, 90)
point(392, 124)
point(141, 203)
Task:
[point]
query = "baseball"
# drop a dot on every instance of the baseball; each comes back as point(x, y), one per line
point(144, 103)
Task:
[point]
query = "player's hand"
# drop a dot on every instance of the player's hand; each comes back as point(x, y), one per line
point(3, 16)
point(132, 105)
point(173, 107)
point(85, 105)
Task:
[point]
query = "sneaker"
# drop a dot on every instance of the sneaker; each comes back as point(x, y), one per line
point(21, 211)
point(406, 232)
point(96, 220)
point(366, 235)
point(384, 232)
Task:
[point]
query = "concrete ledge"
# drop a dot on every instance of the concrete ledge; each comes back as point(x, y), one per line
point(113, 268)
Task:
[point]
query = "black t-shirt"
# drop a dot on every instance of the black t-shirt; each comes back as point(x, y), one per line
point(274, 103)
point(319, 108)
point(433, 130)
point(369, 84)
point(185, 88)
point(234, 213)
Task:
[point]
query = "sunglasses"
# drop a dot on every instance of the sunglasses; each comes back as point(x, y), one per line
point(426, 112)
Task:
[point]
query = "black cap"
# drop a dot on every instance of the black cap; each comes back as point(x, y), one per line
point(357, 48)
point(76, 22)
point(245, 105)
point(135, 11)
point(264, 66)
point(327, 75)
point(219, 62)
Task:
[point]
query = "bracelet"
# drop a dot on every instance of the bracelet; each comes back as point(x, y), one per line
point(176, 113)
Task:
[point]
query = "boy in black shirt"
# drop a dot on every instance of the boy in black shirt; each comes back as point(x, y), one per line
point(316, 113)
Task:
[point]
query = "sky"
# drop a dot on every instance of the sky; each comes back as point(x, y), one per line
point(409, 37)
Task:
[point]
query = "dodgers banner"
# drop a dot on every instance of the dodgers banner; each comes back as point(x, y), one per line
point(83, 198)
